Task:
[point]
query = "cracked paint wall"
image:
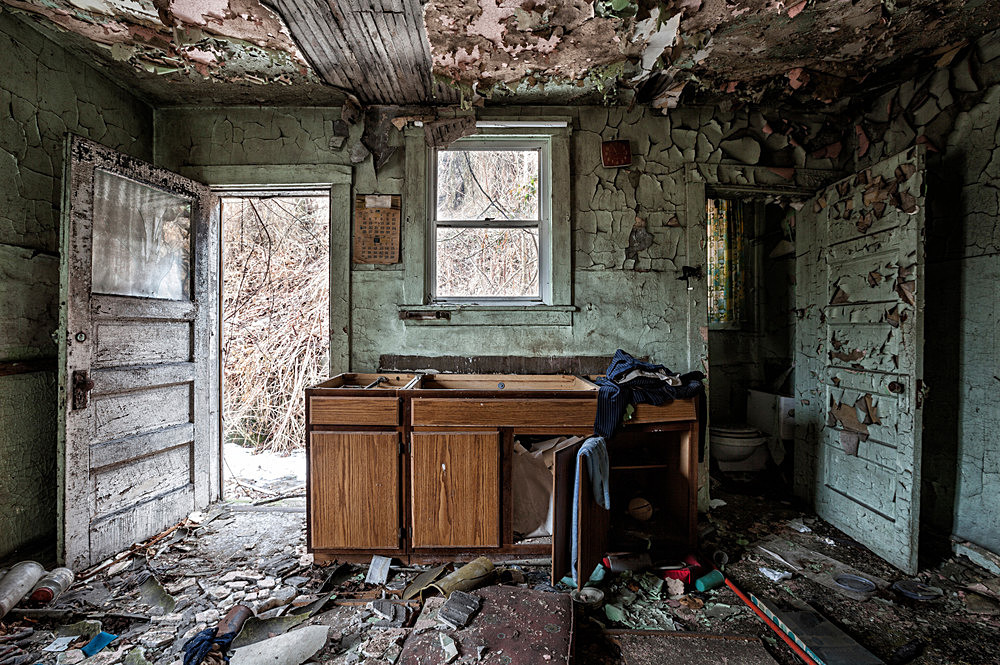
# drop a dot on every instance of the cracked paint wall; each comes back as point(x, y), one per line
point(636, 304)
point(45, 92)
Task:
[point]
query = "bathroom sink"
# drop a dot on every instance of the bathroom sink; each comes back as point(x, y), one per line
point(506, 382)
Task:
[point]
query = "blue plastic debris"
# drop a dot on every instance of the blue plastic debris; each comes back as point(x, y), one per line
point(100, 641)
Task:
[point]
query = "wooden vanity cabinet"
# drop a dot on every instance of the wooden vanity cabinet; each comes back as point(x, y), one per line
point(354, 463)
point(419, 467)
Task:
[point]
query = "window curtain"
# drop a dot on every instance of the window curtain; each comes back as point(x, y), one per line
point(727, 295)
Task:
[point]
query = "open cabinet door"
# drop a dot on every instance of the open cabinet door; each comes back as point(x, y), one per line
point(859, 352)
point(593, 522)
point(138, 346)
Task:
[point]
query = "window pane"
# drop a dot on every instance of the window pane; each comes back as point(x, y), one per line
point(487, 184)
point(491, 263)
point(142, 240)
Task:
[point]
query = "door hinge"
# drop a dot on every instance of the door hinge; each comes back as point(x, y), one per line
point(922, 391)
point(82, 385)
point(402, 533)
point(402, 447)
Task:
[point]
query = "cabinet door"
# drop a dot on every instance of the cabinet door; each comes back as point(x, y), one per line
point(456, 489)
point(593, 521)
point(354, 490)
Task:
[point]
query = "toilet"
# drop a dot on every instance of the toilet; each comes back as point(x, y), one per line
point(738, 448)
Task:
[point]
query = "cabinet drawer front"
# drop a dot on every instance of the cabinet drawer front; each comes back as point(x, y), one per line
point(682, 409)
point(353, 411)
point(504, 412)
point(354, 490)
point(455, 484)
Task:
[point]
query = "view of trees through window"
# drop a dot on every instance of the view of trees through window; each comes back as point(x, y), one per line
point(488, 215)
point(275, 309)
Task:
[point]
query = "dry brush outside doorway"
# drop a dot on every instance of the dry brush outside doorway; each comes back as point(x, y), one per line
point(275, 315)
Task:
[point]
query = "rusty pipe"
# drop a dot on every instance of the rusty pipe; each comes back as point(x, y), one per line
point(234, 619)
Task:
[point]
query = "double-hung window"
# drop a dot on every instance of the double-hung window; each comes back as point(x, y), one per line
point(490, 220)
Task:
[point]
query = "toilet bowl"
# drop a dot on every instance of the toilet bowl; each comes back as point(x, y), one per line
point(738, 448)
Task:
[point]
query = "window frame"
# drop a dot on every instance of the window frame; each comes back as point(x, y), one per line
point(556, 308)
point(487, 142)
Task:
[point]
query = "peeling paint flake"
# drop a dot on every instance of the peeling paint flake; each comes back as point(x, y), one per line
point(197, 12)
point(658, 38)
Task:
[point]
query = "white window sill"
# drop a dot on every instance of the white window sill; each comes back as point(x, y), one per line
point(453, 314)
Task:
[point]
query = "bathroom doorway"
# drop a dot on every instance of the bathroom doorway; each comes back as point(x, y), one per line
point(751, 332)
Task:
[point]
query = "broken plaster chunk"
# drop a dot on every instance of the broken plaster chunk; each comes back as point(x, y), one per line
point(157, 638)
point(459, 609)
point(289, 649)
point(208, 616)
point(70, 657)
point(448, 648)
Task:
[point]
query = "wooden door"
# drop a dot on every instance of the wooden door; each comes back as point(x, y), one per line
point(455, 484)
point(138, 436)
point(859, 350)
point(354, 490)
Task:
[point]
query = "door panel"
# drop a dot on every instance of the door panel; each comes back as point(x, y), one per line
point(142, 239)
point(456, 489)
point(138, 352)
point(354, 490)
point(137, 343)
point(859, 348)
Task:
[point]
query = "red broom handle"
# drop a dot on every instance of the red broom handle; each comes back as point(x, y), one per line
point(766, 619)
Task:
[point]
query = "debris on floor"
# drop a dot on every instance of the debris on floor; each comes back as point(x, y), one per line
point(236, 580)
point(513, 625)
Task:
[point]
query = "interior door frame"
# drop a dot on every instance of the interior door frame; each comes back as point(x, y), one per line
point(701, 182)
point(260, 179)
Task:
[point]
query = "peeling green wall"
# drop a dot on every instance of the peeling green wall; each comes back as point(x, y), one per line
point(44, 92)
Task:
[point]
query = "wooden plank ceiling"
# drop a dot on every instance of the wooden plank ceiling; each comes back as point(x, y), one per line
point(375, 49)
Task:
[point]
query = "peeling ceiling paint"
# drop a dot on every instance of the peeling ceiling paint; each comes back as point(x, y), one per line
point(811, 51)
point(805, 52)
point(184, 51)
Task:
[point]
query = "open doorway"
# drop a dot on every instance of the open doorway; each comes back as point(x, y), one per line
point(275, 335)
point(751, 275)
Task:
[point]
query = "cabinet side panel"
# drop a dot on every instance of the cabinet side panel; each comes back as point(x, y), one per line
point(456, 489)
point(354, 489)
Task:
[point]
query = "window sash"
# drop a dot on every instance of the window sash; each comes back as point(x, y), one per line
point(542, 145)
point(492, 144)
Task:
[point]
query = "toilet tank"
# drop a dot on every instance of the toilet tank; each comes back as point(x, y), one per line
point(772, 414)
